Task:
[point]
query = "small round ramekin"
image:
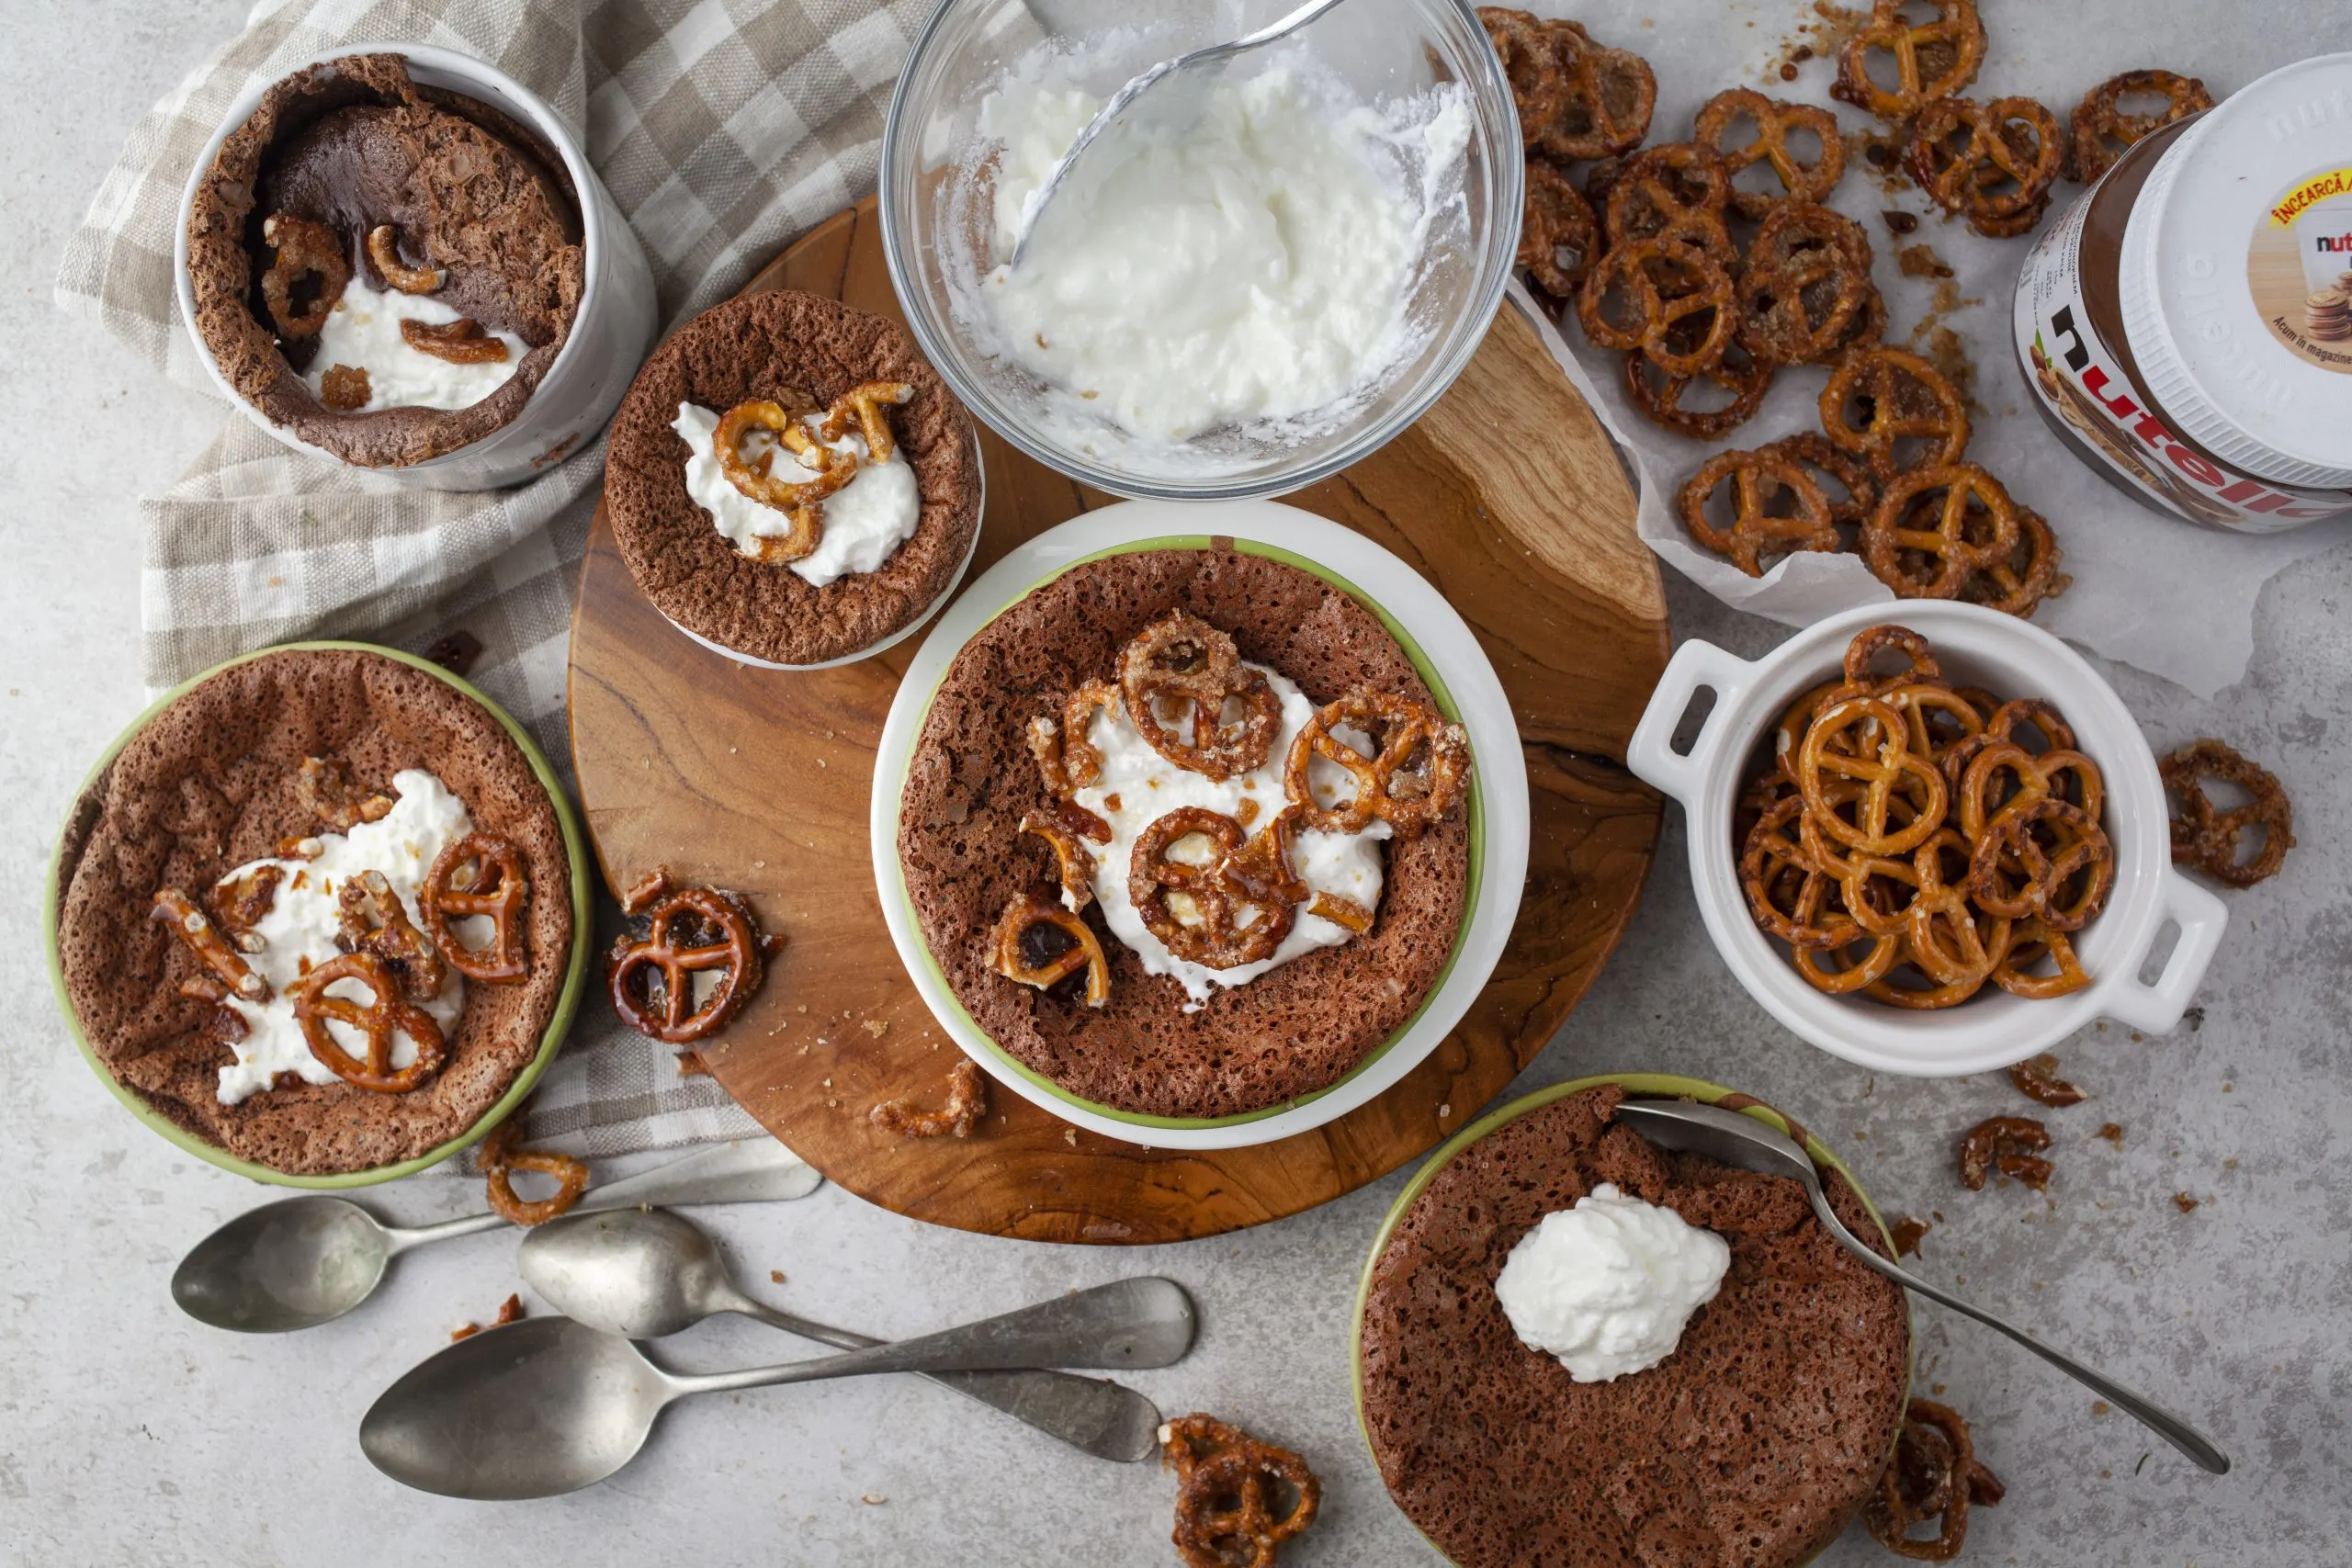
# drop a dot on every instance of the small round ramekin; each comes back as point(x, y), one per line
point(1637, 1085)
point(575, 975)
point(611, 330)
point(2012, 659)
point(1449, 660)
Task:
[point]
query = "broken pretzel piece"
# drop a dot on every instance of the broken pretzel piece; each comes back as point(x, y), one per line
point(2010, 1145)
point(967, 1102)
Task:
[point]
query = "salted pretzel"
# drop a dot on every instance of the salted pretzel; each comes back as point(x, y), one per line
point(1880, 402)
point(500, 1155)
point(688, 932)
point(1341, 911)
point(1963, 524)
point(1785, 886)
point(1775, 121)
point(1865, 741)
point(384, 250)
point(1181, 659)
point(372, 920)
point(1933, 1476)
point(1609, 97)
point(2004, 779)
point(1679, 192)
point(1414, 776)
point(344, 387)
point(2015, 974)
point(1932, 60)
point(302, 249)
point(1539, 87)
point(480, 874)
point(1013, 956)
point(1955, 944)
point(2010, 1145)
point(178, 913)
point(1213, 936)
point(2062, 884)
point(1993, 162)
point(1806, 281)
point(868, 408)
point(1558, 238)
point(1665, 284)
point(813, 470)
point(2103, 132)
point(2042, 719)
point(1776, 510)
point(461, 342)
point(323, 788)
point(1263, 870)
point(381, 1020)
point(2205, 835)
point(2017, 584)
point(1231, 1512)
point(967, 1102)
point(1737, 382)
point(1064, 831)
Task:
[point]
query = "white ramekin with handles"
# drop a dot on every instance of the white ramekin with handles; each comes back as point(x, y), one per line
point(2012, 659)
point(611, 330)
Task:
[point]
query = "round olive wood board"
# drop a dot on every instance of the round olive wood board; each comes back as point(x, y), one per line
point(1508, 495)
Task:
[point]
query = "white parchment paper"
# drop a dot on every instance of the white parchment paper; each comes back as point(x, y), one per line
point(2149, 591)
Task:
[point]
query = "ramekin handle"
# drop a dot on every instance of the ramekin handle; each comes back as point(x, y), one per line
point(2202, 918)
point(1651, 755)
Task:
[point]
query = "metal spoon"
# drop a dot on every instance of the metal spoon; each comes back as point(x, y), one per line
point(1172, 94)
point(645, 1273)
point(305, 1261)
point(1750, 1144)
point(549, 1405)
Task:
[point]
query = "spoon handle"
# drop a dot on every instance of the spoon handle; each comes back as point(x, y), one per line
point(2199, 1447)
point(1106, 1420)
point(1129, 1322)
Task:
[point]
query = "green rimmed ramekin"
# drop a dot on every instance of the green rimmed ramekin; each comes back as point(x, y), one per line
point(550, 1040)
point(1637, 1085)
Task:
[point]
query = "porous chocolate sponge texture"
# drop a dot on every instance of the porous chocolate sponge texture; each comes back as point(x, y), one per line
point(354, 143)
point(1293, 1031)
point(776, 347)
point(1753, 1444)
point(207, 785)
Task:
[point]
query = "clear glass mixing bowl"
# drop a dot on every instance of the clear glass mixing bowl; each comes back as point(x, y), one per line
point(937, 231)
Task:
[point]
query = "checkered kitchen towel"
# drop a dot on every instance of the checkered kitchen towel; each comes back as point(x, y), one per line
point(723, 128)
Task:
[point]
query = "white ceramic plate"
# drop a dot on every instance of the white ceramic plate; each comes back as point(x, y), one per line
point(1449, 660)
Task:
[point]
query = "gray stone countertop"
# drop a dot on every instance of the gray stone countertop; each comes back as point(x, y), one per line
point(130, 1435)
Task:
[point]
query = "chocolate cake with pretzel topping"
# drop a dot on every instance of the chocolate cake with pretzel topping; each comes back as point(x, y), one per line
point(212, 783)
point(1293, 1029)
point(786, 345)
point(1751, 1446)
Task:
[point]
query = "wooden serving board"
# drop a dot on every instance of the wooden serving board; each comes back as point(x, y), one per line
point(1508, 496)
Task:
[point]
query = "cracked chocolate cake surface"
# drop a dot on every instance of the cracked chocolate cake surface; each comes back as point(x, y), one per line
point(354, 143)
point(1751, 1446)
point(208, 785)
point(1291, 1031)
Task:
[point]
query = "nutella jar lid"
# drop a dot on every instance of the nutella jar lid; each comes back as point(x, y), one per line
point(2236, 278)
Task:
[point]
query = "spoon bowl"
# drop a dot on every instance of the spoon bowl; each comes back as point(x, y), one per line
point(549, 1405)
point(292, 1264)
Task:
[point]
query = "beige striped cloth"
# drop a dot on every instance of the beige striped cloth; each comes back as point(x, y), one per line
point(723, 128)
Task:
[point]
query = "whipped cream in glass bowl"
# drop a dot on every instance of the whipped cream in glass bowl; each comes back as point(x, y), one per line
point(1238, 308)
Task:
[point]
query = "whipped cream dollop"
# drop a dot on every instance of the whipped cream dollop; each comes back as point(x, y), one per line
point(865, 521)
point(1607, 1285)
point(1138, 786)
point(1256, 266)
point(363, 332)
point(298, 932)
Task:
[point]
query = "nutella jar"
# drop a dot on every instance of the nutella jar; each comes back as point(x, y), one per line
point(2186, 327)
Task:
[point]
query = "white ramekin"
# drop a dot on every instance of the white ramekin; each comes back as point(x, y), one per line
point(1975, 647)
point(611, 330)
